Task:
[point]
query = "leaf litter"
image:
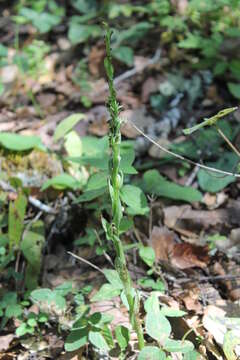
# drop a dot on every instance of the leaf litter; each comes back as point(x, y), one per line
point(179, 236)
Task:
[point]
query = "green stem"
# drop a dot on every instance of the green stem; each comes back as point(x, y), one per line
point(115, 183)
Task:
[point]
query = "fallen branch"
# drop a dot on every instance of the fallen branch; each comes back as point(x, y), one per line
point(182, 158)
point(35, 202)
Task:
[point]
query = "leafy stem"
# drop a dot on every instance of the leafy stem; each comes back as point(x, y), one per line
point(114, 184)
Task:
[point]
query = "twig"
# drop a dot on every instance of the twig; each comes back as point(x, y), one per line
point(130, 73)
point(228, 141)
point(107, 257)
point(85, 261)
point(136, 70)
point(192, 176)
point(180, 157)
point(209, 278)
point(35, 202)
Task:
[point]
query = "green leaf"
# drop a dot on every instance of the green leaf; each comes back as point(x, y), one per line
point(76, 339)
point(134, 197)
point(61, 182)
point(170, 312)
point(73, 144)
point(192, 355)
point(231, 339)
point(22, 330)
point(106, 292)
point(44, 21)
point(17, 210)
point(123, 54)
point(67, 125)
point(157, 325)
point(79, 33)
point(214, 182)
point(192, 41)
point(16, 142)
point(48, 296)
point(147, 254)
point(96, 338)
point(113, 278)
point(64, 289)
point(97, 181)
point(13, 311)
point(154, 183)
point(84, 6)
point(178, 346)
point(151, 284)
point(91, 195)
point(151, 353)
point(122, 336)
point(234, 89)
point(107, 334)
point(31, 246)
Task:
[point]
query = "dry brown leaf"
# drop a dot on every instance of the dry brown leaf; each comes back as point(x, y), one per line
point(186, 256)
point(149, 86)
point(203, 218)
point(162, 241)
point(95, 59)
point(191, 300)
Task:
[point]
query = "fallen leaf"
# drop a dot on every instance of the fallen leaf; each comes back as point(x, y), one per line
point(5, 341)
point(149, 86)
point(191, 300)
point(162, 241)
point(185, 256)
point(95, 61)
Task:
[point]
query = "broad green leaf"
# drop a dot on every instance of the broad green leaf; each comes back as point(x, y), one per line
point(106, 292)
point(43, 21)
point(107, 334)
point(64, 289)
point(192, 41)
point(79, 33)
point(18, 142)
point(10, 298)
point(234, 89)
point(178, 346)
point(231, 339)
point(156, 184)
point(17, 210)
point(41, 295)
point(73, 144)
point(96, 338)
point(151, 284)
point(152, 303)
point(76, 339)
point(97, 181)
point(91, 194)
point(123, 54)
point(31, 246)
point(170, 312)
point(151, 353)
point(147, 254)
point(67, 125)
point(84, 6)
point(61, 182)
point(214, 182)
point(235, 68)
point(113, 278)
point(48, 296)
point(122, 336)
point(134, 197)
point(192, 355)
point(157, 325)
point(22, 330)
point(13, 311)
